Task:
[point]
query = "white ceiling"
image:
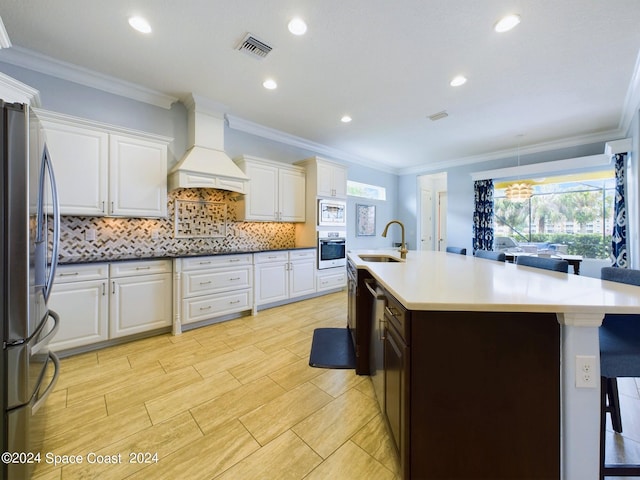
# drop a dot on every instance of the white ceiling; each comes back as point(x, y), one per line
point(566, 72)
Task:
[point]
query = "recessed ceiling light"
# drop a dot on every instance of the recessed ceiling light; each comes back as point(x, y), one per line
point(297, 26)
point(140, 24)
point(346, 119)
point(507, 23)
point(270, 84)
point(459, 80)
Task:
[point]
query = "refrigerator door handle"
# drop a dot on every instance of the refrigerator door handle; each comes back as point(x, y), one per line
point(47, 167)
point(45, 340)
point(43, 398)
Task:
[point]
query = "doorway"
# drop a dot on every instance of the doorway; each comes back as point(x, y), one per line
point(433, 211)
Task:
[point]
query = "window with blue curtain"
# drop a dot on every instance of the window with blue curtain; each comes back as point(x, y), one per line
point(483, 215)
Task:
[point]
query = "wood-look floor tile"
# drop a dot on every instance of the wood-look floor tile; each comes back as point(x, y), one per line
point(138, 346)
point(204, 458)
point(234, 404)
point(272, 419)
point(374, 439)
point(110, 381)
point(55, 474)
point(350, 462)
point(88, 437)
point(286, 457)
point(162, 440)
point(229, 360)
point(72, 372)
point(337, 381)
point(206, 351)
point(295, 374)
point(332, 425)
point(249, 371)
point(282, 340)
point(241, 341)
point(167, 350)
point(61, 420)
point(144, 390)
point(180, 399)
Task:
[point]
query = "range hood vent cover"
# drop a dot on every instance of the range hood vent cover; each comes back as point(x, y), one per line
point(205, 164)
point(254, 47)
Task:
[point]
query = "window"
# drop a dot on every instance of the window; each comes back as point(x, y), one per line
point(372, 192)
point(572, 214)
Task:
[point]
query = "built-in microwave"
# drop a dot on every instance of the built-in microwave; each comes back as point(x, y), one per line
point(332, 249)
point(332, 213)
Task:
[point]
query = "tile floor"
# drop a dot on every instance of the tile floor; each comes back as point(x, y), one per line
point(228, 401)
point(235, 400)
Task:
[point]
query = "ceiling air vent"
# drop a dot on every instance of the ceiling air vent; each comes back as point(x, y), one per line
point(438, 116)
point(254, 47)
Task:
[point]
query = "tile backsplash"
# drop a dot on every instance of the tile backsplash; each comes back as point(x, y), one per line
point(201, 226)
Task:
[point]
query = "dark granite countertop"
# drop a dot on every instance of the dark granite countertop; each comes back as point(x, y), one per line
point(160, 254)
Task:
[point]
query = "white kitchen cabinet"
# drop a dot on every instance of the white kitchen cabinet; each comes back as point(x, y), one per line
point(137, 177)
point(332, 180)
point(331, 279)
point(275, 193)
point(283, 275)
point(81, 298)
point(140, 298)
point(209, 287)
point(103, 170)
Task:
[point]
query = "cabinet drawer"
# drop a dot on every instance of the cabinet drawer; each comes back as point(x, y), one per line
point(211, 306)
point(81, 273)
point(336, 280)
point(302, 254)
point(398, 316)
point(213, 261)
point(215, 280)
point(266, 257)
point(139, 267)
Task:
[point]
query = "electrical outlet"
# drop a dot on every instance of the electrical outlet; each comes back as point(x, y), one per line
point(155, 234)
point(586, 372)
point(90, 234)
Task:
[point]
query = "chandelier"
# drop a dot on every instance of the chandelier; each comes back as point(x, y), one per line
point(519, 192)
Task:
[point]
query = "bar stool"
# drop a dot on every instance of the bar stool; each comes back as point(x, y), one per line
point(619, 357)
point(544, 263)
point(458, 250)
point(489, 255)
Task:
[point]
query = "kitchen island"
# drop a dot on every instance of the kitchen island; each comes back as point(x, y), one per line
point(480, 365)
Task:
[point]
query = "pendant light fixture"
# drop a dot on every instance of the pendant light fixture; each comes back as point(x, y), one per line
point(519, 191)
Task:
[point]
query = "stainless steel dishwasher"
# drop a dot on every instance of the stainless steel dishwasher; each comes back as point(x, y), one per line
point(376, 350)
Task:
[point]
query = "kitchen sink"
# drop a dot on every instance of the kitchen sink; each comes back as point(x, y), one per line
point(379, 258)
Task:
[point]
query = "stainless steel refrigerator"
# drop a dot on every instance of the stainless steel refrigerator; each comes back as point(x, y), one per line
point(30, 225)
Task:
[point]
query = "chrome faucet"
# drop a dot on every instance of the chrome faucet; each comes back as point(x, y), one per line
point(403, 248)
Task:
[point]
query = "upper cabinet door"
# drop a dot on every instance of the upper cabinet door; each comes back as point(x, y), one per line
point(262, 196)
point(80, 158)
point(291, 196)
point(137, 177)
point(332, 180)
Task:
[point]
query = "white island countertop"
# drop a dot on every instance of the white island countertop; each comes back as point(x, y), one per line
point(436, 284)
point(430, 280)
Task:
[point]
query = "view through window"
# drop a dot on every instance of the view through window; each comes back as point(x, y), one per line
point(572, 214)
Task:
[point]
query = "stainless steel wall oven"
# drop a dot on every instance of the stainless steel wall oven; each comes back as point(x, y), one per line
point(332, 249)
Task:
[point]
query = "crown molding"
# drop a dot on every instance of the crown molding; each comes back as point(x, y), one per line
point(512, 152)
point(25, 58)
point(4, 36)
point(269, 133)
point(12, 90)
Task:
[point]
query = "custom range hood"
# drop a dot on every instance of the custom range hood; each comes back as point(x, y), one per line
point(205, 165)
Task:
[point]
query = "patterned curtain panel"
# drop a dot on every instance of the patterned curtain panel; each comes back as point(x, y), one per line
point(483, 215)
point(619, 236)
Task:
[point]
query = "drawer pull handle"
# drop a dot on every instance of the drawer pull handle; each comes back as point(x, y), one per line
point(205, 263)
point(234, 279)
point(272, 256)
point(71, 274)
point(234, 301)
point(205, 283)
point(208, 307)
point(234, 259)
point(391, 311)
point(143, 268)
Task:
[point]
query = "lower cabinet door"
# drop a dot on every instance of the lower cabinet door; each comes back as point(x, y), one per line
point(302, 278)
point(395, 389)
point(140, 303)
point(83, 309)
point(272, 282)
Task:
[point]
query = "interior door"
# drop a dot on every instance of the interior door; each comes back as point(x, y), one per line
point(427, 225)
point(442, 221)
